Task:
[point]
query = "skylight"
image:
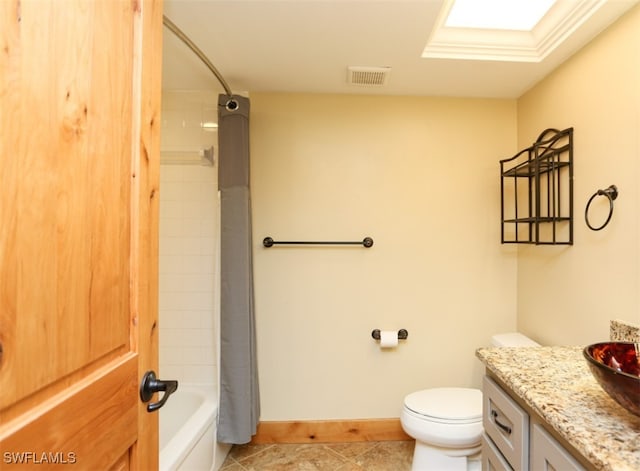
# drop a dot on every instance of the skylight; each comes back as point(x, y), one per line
point(507, 30)
point(516, 15)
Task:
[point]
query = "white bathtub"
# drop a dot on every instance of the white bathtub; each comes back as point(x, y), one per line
point(188, 431)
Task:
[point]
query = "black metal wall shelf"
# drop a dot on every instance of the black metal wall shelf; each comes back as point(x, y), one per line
point(539, 210)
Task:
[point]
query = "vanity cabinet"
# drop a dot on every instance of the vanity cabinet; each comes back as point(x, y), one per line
point(516, 440)
point(506, 424)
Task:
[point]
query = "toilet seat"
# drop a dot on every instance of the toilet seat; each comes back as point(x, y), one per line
point(454, 406)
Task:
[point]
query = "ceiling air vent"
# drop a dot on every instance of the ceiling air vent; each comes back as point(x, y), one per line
point(368, 76)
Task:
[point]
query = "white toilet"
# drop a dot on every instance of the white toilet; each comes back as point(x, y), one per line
point(447, 422)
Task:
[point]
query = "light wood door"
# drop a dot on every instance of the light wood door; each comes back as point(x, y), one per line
point(79, 163)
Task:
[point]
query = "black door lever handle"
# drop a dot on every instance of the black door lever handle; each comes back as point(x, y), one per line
point(151, 385)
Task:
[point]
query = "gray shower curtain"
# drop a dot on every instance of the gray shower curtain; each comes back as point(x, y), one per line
point(239, 396)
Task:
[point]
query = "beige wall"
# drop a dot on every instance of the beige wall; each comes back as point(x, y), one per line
point(418, 175)
point(568, 295)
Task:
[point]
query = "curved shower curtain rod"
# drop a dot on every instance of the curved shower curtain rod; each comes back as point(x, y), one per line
point(185, 39)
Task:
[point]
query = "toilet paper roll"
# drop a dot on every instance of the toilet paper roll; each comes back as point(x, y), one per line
point(388, 338)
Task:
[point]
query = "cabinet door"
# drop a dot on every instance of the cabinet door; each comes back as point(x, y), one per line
point(548, 455)
point(492, 460)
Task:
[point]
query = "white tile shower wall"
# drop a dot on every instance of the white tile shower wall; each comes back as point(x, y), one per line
point(186, 118)
point(188, 280)
point(189, 212)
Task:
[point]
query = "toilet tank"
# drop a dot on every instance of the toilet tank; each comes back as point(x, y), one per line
point(512, 339)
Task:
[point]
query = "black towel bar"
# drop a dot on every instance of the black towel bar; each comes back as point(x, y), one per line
point(269, 242)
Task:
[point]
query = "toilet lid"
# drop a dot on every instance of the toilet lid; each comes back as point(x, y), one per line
point(453, 404)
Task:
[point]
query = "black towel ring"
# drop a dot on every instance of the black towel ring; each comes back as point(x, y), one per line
point(612, 194)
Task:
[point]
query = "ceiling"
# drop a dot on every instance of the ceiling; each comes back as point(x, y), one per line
point(307, 45)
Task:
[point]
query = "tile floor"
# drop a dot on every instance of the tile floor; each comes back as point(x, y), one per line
point(358, 456)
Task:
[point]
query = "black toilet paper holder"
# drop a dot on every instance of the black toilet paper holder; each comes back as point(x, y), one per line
point(402, 334)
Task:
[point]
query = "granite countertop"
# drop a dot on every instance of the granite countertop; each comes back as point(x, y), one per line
point(556, 383)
